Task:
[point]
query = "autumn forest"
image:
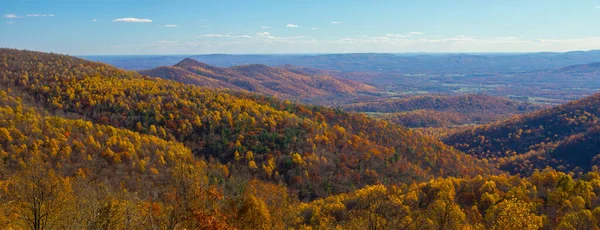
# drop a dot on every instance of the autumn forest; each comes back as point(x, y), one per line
point(85, 145)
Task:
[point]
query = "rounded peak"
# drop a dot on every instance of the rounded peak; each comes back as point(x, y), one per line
point(189, 61)
point(193, 64)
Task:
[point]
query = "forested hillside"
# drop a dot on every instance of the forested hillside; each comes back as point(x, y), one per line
point(59, 173)
point(259, 78)
point(565, 137)
point(315, 151)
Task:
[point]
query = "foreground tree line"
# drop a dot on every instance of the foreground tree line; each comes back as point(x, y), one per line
point(41, 198)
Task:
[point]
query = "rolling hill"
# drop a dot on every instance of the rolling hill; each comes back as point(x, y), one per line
point(262, 79)
point(563, 137)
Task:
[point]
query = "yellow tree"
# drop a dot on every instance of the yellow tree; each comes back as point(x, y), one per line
point(512, 214)
point(39, 198)
point(254, 214)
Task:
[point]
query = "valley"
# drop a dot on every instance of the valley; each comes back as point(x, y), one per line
point(555, 79)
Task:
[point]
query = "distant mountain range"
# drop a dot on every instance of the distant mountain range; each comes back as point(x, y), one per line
point(416, 63)
point(379, 62)
point(281, 82)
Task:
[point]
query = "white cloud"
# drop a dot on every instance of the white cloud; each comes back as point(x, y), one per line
point(203, 26)
point(507, 38)
point(212, 35)
point(458, 43)
point(216, 35)
point(265, 27)
point(597, 7)
point(171, 25)
point(314, 28)
point(224, 36)
point(291, 26)
point(11, 16)
point(397, 35)
point(407, 35)
point(263, 34)
point(40, 15)
point(132, 20)
point(335, 23)
point(10, 23)
point(94, 20)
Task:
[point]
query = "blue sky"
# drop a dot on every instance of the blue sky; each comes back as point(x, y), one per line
point(302, 26)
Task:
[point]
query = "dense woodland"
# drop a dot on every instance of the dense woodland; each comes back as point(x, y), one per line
point(316, 150)
point(87, 146)
point(565, 137)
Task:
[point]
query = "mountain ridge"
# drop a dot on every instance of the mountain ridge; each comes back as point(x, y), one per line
point(259, 78)
point(539, 139)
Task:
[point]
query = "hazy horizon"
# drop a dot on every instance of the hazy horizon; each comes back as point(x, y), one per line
point(300, 54)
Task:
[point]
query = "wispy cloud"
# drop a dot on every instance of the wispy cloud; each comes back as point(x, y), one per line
point(265, 27)
point(40, 15)
point(216, 35)
point(292, 26)
point(314, 28)
point(94, 20)
point(171, 26)
point(407, 35)
point(11, 16)
point(262, 34)
point(397, 35)
point(460, 43)
point(224, 36)
point(143, 20)
point(263, 42)
point(335, 23)
point(507, 38)
point(10, 23)
point(597, 7)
